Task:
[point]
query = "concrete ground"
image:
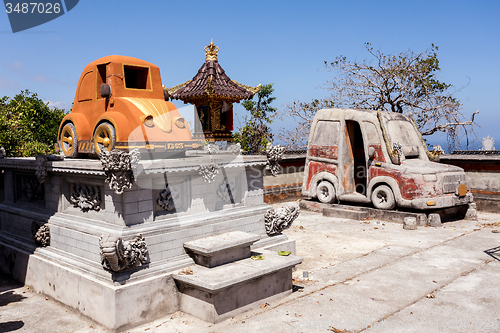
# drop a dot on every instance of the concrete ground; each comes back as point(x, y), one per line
point(363, 276)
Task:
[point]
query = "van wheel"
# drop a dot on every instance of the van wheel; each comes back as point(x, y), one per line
point(104, 138)
point(68, 141)
point(383, 198)
point(325, 192)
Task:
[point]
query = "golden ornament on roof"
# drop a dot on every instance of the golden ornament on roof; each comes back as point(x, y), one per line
point(211, 51)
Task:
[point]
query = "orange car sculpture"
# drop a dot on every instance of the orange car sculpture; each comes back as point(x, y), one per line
point(120, 103)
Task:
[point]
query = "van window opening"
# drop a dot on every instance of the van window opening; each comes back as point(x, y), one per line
point(136, 77)
point(326, 133)
point(101, 78)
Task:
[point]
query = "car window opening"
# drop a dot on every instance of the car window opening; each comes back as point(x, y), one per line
point(136, 77)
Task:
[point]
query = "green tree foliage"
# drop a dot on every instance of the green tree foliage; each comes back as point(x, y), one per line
point(406, 82)
point(28, 127)
point(256, 133)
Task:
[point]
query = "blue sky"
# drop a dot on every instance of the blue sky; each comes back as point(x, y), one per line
point(283, 42)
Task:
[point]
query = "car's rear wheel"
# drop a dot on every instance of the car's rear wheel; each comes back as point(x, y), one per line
point(104, 137)
point(383, 197)
point(68, 140)
point(325, 192)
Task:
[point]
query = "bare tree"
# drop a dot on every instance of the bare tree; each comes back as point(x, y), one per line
point(406, 83)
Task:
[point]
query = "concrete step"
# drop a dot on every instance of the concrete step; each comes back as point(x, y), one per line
point(361, 212)
point(215, 294)
point(345, 213)
point(221, 249)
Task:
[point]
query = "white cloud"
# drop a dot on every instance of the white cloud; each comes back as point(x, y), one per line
point(6, 83)
point(59, 105)
point(41, 78)
point(16, 66)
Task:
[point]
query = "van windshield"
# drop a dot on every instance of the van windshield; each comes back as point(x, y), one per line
point(404, 133)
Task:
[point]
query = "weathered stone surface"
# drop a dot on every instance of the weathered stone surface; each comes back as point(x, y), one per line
point(471, 213)
point(434, 220)
point(410, 223)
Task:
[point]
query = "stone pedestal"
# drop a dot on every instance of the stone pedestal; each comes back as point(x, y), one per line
point(170, 203)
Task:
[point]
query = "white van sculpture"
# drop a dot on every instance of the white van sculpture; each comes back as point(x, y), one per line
point(379, 157)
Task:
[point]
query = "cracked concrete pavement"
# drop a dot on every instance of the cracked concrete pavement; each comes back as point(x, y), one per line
point(363, 276)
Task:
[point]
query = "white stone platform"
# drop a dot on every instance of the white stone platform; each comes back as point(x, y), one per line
point(70, 269)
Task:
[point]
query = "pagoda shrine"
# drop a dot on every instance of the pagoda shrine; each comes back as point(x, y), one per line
point(213, 94)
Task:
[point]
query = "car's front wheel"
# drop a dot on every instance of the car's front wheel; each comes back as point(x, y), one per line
point(383, 197)
point(104, 137)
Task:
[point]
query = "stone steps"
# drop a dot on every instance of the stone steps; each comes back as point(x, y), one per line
point(226, 281)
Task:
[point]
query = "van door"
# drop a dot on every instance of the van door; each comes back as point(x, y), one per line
point(354, 159)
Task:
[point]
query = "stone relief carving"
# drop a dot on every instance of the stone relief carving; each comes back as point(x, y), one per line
point(226, 190)
point(274, 156)
point(118, 255)
point(31, 189)
point(119, 168)
point(41, 168)
point(168, 197)
point(41, 233)
point(209, 172)
point(277, 221)
point(86, 197)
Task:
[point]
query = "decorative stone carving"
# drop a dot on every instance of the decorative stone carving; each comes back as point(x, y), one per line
point(208, 172)
point(274, 156)
point(118, 255)
point(41, 234)
point(234, 148)
point(226, 190)
point(119, 168)
point(277, 221)
point(87, 197)
point(488, 143)
point(31, 189)
point(437, 150)
point(41, 168)
point(2, 152)
point(211, 148)
point(167, 199)
point(397, 147)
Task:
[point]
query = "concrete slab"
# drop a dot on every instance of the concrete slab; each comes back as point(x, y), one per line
point(345, 213)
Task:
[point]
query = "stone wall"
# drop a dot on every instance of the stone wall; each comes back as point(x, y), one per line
point(483, 178)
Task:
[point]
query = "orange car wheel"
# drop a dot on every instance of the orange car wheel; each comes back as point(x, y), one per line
point(68, 141)
point(104, 137)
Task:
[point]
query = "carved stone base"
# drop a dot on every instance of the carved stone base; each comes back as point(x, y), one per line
point(90, 226)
